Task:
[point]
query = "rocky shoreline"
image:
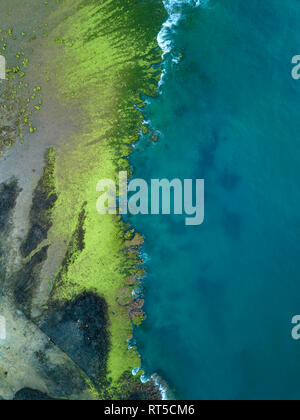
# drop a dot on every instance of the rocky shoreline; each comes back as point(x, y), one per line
point(66, 275)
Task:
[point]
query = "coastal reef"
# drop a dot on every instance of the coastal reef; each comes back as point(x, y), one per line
point(70, 115)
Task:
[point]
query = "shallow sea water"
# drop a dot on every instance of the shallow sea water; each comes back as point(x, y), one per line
point(220, 297)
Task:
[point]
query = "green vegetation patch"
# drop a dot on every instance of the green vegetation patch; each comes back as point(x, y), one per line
point(107, 53)
point(98, 58)
point(18, 101)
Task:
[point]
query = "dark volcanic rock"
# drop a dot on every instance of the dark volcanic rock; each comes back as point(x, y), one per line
point(79, 328)
point(26, 280)
point(27, 394)
point(134, 390)
point(44, 198)
point(8, 197)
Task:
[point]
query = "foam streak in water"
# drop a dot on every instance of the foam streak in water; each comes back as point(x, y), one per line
point(164, 38)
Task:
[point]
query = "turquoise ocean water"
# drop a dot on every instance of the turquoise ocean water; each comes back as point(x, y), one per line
point(220, 297)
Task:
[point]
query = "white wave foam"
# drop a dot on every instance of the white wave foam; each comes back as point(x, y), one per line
point(165, 42)
point(135, 371)
point(164, 37)
point(162, 388)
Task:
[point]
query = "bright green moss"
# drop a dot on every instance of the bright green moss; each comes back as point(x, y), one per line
point(105, 55)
